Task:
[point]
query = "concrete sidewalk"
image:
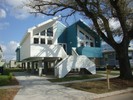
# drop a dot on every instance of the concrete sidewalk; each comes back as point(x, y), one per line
point(38, 88)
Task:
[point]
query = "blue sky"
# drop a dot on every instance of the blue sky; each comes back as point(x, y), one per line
point(14, 22)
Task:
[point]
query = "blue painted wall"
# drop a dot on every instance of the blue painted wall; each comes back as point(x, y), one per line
point(71, 34)
point(60, 33)
point(18, 54)
point(91, 52)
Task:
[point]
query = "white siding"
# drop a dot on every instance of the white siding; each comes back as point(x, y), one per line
point(47, 51)
point(25, 48)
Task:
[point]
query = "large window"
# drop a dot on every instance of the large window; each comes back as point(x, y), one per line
point(42, 41)
point(43, 33)
point(50, 31)
point(36, 33)
point(81, 35)
point(36, 40)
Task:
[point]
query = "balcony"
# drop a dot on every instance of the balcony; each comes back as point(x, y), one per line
point(92, 52)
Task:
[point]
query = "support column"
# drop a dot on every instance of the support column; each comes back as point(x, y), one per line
point(40, 68)
point(32, 67)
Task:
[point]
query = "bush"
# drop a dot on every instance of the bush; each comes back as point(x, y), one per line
point(10, 76)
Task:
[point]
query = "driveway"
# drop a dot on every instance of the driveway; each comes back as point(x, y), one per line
point(38, 88)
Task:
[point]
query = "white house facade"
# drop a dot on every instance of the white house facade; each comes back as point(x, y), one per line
point(51, 47)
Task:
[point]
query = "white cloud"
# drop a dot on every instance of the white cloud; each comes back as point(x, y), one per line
point(17, 8)
point(114, 24)
point(2, 13)
point(9, 50)
point(4, 25)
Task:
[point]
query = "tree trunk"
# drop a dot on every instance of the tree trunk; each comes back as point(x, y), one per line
point(125, 68)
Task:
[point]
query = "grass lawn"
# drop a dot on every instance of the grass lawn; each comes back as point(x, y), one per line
point(8, 78)
point(101, 86)
point(72, 78)
point(8, 94)
point(111, 73)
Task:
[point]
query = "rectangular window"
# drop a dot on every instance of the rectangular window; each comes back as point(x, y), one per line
point(42, 41)
point(91, 44)
point(49, 42)
point(43, 33)
point(36, 33)
point(81, 35)
point(50, 31)
point(36, 40)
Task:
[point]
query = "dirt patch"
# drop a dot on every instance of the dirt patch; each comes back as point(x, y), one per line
point(101, 86)
point(8, 94)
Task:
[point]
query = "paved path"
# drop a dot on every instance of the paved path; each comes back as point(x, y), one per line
point(38, 88)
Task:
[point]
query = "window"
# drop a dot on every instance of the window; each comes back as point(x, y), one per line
point(91, 44)
point(43, 33)
point(87, 37)
point(36, 33)
point(49, 42)
point(42, 41)
point(36, 40)
point(81, 35)
point(82, 44)
point(50, 31)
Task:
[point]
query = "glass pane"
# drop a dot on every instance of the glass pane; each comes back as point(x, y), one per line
point(42, 41)
point(36, 40)
point(49, 41)
point(87, 37)
point(43, 33)
point(81, 35)
point(36, 33)
point(50, 31)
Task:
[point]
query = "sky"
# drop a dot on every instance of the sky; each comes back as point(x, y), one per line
point(15, 21)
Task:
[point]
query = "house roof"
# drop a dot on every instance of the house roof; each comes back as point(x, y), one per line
point(37, 26)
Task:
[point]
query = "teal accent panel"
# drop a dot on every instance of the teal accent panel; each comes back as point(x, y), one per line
point(60, 33)
point(18, 54)
point(71, 38)
point(92, 52)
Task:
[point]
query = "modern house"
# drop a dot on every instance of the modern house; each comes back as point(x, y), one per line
point(51, 47)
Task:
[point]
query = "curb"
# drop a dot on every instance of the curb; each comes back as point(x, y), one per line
point(7, 87)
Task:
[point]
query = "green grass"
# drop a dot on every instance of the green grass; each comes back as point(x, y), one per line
point(111, 73)
point(7, 78)
point(4, 80)
point(72, 78)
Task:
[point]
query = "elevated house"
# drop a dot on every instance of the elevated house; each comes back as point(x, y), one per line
point(51, 47)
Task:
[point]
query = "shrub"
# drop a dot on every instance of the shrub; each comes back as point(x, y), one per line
point(10, 76)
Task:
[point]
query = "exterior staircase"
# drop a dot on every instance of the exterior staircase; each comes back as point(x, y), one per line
point(74, 62)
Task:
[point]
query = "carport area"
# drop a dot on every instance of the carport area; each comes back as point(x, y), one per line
point(40, 65)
